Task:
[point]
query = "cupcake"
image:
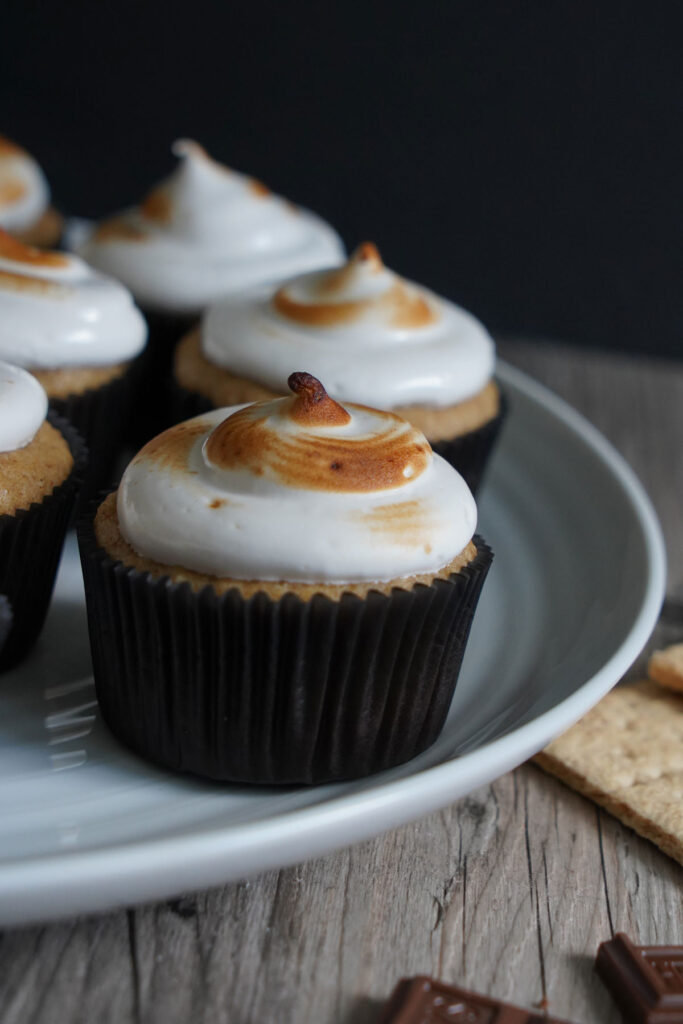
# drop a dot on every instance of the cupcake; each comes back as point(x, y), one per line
point(372, 336)
point(205, 232)
point(25, 209)
point(79, 334)
point(282, 592)
point(41, 465)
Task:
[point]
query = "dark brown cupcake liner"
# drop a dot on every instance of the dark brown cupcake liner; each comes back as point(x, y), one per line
point(166, 330)
point(30, 545)
point(184, 404)
point(101, 416)
point(263, 691)
point(470, 453)
point(157, 413)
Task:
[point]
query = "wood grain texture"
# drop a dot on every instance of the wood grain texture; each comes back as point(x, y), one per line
point(508, 891)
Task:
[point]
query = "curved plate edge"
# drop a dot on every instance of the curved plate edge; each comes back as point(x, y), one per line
point(71, 884)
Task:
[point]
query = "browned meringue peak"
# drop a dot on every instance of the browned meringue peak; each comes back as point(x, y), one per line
point(305, 442)
point(24, 259)
point(117, 228)
point(190, 148)
point(363, 287)
point(9, 148)
point(11, 191)
point(313, 407)
point(12, 187)
point(12, 249)
point(158, 204)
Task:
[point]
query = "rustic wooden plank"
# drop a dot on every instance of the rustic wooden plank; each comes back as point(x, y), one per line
point(509, 890)
point(638, 404)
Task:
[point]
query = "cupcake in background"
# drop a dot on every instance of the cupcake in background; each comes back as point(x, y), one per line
point(80, 335)
point(42, 460)
point(374, 337)
point(25, 209)
point(204, 232)
point(282, 592)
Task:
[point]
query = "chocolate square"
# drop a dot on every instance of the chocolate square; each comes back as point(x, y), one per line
point(645, 981)
point(424, 1000)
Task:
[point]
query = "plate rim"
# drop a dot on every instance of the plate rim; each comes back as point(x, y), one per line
point(213, 854)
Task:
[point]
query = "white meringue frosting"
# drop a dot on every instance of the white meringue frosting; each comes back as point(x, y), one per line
point(23, 407)
point(24, 191)
point(207, 231)
point(56, 311)
point(372, 336)
point(299, 489)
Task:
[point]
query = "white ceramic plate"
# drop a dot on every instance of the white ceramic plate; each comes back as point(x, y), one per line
point(573, 594)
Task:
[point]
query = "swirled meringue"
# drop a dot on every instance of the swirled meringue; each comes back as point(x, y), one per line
point(23, 407)
point(208, 231)
point(299, 489)
point(24, 191)
point(371, 335)
point(55, 311)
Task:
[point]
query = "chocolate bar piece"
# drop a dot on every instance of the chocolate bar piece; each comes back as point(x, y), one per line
point(645, 981)
point(424, 1000)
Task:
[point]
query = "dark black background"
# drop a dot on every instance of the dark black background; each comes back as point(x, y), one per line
point(522, 158)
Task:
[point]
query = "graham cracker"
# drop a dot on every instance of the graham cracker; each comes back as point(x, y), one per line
point(627, 755)
point(666, 667)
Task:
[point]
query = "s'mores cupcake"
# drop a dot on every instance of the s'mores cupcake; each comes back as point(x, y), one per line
point(42, 459)
point(25, 209)
point(282, 592)
point(374, 337)
point(204, 232)
point(79, 333)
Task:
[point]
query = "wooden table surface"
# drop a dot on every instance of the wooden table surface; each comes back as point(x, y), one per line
point(508, 891)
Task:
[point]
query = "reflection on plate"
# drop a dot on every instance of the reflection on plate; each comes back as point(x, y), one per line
point(573, 594)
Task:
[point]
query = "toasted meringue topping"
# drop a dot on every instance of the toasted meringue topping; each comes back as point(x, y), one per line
point(56, 311)
point(312, 442)
point(11, 191)
point(292, 490)
point(376, 338)
point(14, 251)
point(23, 407)
point(24, 192)
point(363, 288)
point(9, 148)
point(208, 231)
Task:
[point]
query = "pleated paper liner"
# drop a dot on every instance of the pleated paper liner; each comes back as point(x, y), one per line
point(184, 404)
point(266, 691)
point(5, 619)
point(166, 330)
point(101, 416)
point(30, 545)
point(156, 413)
point(469, 454)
